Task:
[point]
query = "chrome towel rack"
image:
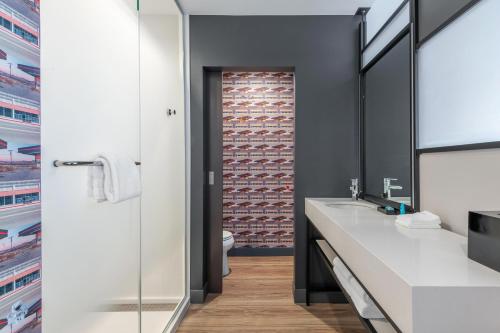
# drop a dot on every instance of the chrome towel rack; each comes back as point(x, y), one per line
point(58, 163)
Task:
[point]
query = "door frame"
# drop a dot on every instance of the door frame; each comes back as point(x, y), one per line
point(213, 161)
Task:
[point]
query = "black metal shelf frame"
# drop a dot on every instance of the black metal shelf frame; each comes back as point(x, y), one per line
point(366, 323)
point(472, 146)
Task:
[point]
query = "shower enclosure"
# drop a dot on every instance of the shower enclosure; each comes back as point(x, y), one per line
point(113, 82)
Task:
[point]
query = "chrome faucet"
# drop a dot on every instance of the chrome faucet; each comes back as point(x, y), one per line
point(388, 187)
point(354, 188)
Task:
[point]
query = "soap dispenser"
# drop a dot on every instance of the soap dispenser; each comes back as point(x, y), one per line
point(402, 209)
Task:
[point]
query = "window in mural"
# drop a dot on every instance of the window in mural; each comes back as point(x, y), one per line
point(20, 218)
point(258, 122)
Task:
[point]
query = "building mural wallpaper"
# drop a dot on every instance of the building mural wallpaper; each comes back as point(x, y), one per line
point(258, 169)
point(20, 219)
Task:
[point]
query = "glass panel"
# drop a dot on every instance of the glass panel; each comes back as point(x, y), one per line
point(90, 66)
point(163, 157)
point(377, 16)
point(392, 30)
point(453, 108)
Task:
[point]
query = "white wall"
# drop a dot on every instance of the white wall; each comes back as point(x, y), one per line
point(459, 80)
point(454, 183)
point(163, 157)
point(90, 104)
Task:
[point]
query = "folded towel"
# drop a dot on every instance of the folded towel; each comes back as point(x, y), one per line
point(431, 226)
point(382, 326)
point(118, 179)
point(359, 290)
point(423, 220)
point(95, 186)
point(365, 309)
point(342, 269)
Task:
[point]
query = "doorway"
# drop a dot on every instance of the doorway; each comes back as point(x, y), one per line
point(250, 126)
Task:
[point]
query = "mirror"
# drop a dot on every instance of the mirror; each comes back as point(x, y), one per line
point(387, 126)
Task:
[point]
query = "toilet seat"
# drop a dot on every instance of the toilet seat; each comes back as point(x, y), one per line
point(227, 244)
point(226, 235)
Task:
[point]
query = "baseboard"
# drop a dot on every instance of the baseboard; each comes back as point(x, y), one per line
point(335, 297)
point(198, 296)
point(180, 313)
point(161, 300)
point(260, 252)
point(299, 296)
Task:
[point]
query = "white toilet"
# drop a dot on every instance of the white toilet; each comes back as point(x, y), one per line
point(227, 244)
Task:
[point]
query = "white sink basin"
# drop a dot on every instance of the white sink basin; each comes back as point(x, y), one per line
point(350, 205)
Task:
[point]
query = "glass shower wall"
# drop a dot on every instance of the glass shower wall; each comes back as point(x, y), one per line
point(163, 212)
point(90, 102)
point(112, 83)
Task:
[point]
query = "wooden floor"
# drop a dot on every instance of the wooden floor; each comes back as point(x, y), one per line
point(257, 297)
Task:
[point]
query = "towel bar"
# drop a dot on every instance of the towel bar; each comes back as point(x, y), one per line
point(58, 163)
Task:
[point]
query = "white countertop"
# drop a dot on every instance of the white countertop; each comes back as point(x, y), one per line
point(421, 277)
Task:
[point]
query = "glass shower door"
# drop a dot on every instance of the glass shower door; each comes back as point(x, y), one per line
point(90, 105)
point(104, 90)
point(163, 219)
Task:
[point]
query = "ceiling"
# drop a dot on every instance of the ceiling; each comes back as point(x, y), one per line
point(272, 7)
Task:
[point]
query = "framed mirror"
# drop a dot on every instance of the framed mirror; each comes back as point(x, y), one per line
point(387, 145)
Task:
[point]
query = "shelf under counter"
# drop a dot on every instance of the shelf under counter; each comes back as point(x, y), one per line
point(327, 254)
point(422, 279)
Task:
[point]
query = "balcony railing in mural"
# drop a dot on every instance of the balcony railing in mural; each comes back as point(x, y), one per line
point(19, 185)
point(17, 101)
point(13, 245)
point(19, 193)
point(20, 269)
point(19, 110)
point(19, 25)
point(12, 83)
point(19, 277)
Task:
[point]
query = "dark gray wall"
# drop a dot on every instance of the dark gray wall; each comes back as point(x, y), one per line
point(388, 122)
point(323, 51)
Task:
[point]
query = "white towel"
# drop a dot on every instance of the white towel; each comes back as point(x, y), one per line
point(365, 309)
point(423, 220)
point(342, 269)
point(382, 326)
point(95, 186)
point(359, 290)
point(117, 180)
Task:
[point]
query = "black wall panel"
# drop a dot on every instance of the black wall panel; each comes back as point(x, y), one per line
point(323, 51)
